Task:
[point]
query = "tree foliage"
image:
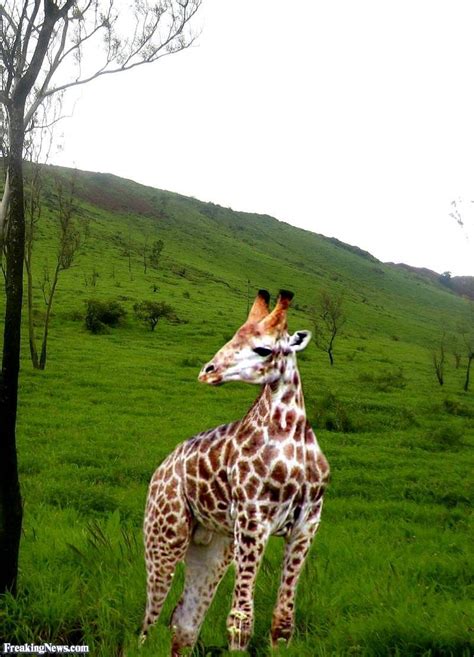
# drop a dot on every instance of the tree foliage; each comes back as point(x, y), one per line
point(155, 254)
point(150, 312)
point(102, 314)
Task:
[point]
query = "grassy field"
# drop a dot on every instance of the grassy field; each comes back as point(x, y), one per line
point(390, 572)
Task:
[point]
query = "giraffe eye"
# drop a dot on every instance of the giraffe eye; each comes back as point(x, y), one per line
point(262, 351)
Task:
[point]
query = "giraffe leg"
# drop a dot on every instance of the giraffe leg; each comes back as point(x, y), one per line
point(206, 563)
point(250, 540)
point(296, 551)
point(167, 536)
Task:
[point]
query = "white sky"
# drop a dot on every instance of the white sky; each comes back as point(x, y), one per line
point(351, 119)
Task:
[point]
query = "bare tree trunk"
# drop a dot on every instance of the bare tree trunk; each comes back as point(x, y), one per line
point(42, 363)
point(31, 324)
point(438, 363)
point(25, 68)
point(10, 497)
point(331, 357)
point(468, 372)
point(331, 345)
point(145, 254)
point(29, 283)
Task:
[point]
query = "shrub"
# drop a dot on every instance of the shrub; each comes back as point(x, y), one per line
point(102, 314)
point(149, 312)
point(385, 381)
point(444, 437)
point(331, 414)
point(455, 407)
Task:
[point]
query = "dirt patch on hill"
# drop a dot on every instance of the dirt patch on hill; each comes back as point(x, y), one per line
point(111, 194)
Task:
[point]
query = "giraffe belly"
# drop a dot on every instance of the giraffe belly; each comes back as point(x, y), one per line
point(209, 498)
point(278, 518)
point(220, 523)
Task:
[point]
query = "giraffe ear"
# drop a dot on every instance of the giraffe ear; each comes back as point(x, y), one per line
point(300, 340)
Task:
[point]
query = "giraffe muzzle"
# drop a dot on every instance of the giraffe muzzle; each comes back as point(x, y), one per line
point(209, 375)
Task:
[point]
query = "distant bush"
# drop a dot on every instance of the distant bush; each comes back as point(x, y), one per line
point(444, 437)
point(180, 271)
point(102, 314)
point(74, 316)
point(331, 414)
point(455, 407)
point(150, 312)
point(382, 417)
point(385, 381)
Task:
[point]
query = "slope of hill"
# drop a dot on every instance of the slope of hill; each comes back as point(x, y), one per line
point(389, 572)
point(461, 285)
point(211, 245)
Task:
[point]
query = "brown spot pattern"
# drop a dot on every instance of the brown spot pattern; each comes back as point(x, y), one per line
point(239, 482)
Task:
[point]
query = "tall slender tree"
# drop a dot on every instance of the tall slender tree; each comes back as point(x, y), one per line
point(69, 242)
point(328, 320)
point(468, 339)
point(46, 47)
point(438, 356)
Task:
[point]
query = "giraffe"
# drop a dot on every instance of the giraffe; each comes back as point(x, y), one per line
point(221, 494)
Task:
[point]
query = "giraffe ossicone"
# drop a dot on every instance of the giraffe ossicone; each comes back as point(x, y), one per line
point(221, 494)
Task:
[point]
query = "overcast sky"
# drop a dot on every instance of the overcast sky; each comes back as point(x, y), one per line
point(351, 119)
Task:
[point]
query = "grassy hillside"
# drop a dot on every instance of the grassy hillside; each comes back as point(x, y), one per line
point(389, 572)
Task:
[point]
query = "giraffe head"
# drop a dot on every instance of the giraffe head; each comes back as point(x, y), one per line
point(259, 350)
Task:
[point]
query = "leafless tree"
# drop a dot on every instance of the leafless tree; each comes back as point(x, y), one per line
point(470, 358)
point(438, 357)
point(33, 209)
point(90, 280)
point(69, 241)
point(145, 253)
point(456, 348)
point(467, 335)
point(128, 249)
point(68, 235)
point(46, 47)
point(328, 319)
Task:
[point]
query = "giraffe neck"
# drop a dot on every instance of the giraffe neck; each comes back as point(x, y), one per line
point(280, 405)
point(287, 390)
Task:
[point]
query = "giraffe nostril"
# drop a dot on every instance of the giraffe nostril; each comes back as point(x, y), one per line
point(209, 368)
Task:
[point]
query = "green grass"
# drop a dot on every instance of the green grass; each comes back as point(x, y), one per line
point(388, 574)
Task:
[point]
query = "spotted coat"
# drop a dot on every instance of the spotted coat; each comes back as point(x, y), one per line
point(220, 495)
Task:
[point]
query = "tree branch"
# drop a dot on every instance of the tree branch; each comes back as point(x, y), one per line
point(52, 15)
point(29, 30)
